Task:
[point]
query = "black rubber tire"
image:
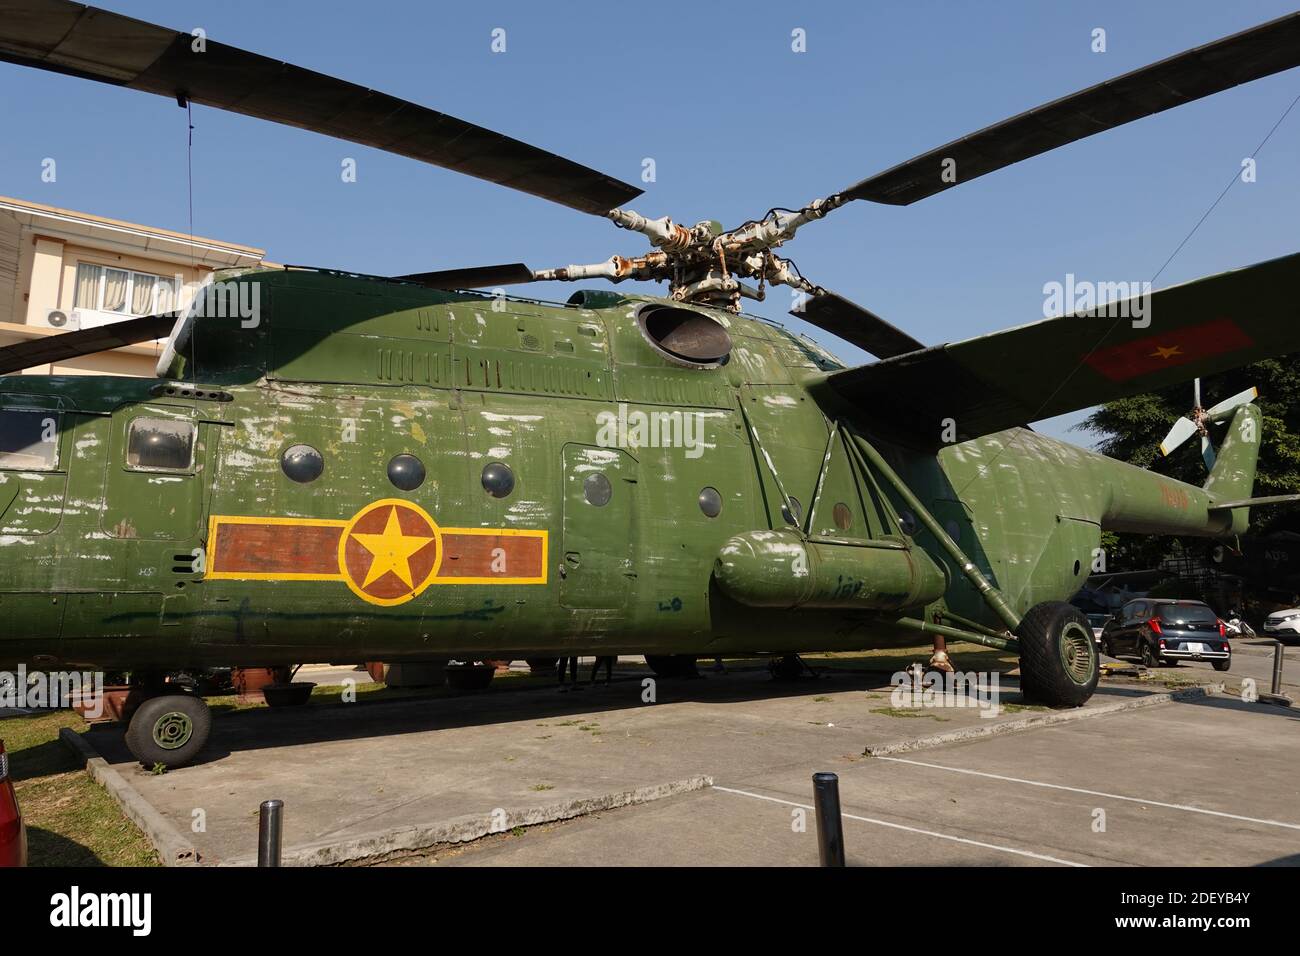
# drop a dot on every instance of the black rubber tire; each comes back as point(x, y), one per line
point(786, 667)
point(672, 665)
point(154, 712)
point(469, 676)
point(544, 666)
point(1222, 665)
point(1052, 637)
point(1105, 647)
point(1149, 657)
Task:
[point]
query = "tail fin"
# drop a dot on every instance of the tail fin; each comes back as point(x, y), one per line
point(1232, 479)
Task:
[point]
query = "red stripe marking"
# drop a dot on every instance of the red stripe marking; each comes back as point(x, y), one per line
point(276, 549)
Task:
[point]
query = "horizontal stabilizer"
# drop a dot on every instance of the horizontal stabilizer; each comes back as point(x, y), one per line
point(1256, 502)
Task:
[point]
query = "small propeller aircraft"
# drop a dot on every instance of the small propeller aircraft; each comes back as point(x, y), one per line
point(394, 468)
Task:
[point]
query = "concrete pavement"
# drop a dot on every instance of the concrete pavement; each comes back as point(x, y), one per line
point(432, 770)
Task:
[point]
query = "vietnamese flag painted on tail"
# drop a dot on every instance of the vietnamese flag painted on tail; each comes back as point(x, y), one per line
point(1119, 363)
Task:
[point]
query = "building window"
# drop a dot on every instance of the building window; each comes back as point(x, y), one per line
point(104, 289)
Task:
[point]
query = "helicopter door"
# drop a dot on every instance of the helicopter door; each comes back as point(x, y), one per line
point(154, 493)
point(599, 537)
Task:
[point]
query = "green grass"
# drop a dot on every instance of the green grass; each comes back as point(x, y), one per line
point(906, 712)
point(1019, 708)
point(71, 820)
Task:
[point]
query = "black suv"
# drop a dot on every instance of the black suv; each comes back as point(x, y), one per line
point(1164, 631)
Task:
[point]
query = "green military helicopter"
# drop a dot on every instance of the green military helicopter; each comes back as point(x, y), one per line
point(365, 468)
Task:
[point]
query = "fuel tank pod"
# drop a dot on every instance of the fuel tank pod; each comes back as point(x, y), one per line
point(779, 569)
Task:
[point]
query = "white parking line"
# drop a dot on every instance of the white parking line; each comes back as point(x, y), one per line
point(1097, 793)
point(899, 826)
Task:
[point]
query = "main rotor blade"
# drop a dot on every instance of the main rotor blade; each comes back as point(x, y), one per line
point(475, 277)
point(95, 44)
point(854, 324)
point(57, 348)
point(1261, 51)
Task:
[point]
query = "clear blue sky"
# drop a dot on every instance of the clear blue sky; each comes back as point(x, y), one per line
point(736, 123)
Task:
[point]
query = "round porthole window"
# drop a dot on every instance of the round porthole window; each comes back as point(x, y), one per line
point(302, 463)
point(710, 502)
point(842, 515)
point(498, 479)
point(597, 490)
point(794, 513)
point(907, 521)
point(406, 472)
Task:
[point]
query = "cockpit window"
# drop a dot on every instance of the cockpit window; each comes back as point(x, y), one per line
point(160, 444)
point(29, 439)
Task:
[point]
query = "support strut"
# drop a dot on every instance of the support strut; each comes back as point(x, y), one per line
point(991, 595)
point(957, 634)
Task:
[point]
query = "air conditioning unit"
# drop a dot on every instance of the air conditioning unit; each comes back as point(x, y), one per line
point(65, 320)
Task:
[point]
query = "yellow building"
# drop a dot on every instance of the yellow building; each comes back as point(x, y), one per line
point(62, 270)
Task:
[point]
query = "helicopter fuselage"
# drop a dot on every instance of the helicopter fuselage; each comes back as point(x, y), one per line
point(373, 471)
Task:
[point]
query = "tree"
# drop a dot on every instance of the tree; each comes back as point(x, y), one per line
point(1130, 429)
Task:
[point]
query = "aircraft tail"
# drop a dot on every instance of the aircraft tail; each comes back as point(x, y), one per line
point(1232, 479)
point(1233, 476)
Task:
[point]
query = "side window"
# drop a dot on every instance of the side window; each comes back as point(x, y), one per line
point(29, 440)
point(160, 444)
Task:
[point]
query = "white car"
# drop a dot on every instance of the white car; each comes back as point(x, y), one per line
point(1283, 625)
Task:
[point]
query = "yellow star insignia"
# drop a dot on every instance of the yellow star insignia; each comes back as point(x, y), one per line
point(1164, 352)
point(392, 551)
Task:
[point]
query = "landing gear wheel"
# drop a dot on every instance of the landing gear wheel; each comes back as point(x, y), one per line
point(788, 667)
point(1058, 656)
point(476, 676)
point(1149, 657)
point(169, 730)
point(1105, 647)
point(672, 665)
point(541, 666)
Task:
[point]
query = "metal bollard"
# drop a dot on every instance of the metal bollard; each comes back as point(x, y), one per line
point(1277, 668)
point(830, 826)
point(269, 823)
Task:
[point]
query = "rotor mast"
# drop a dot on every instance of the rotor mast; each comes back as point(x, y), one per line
point(705, 263)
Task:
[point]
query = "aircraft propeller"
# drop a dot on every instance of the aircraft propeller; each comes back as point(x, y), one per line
point(1196, 421)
